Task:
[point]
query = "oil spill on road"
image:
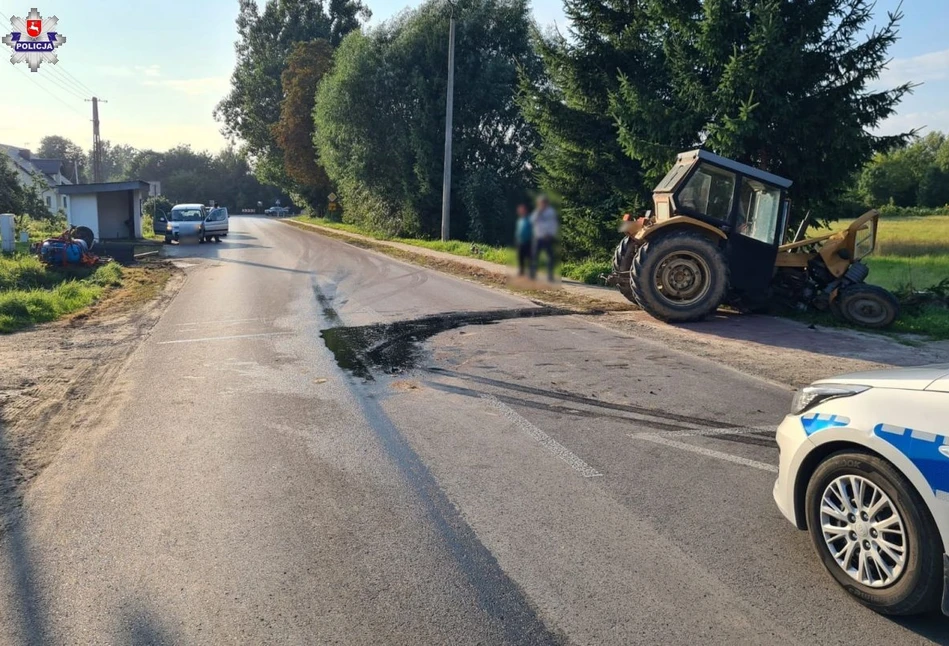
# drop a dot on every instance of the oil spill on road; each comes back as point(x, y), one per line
point(393, 348)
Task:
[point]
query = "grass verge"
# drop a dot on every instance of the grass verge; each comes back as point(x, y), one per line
point(32, 293)
point(585, 272)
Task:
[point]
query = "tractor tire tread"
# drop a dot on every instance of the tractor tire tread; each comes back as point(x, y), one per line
point(652, 252)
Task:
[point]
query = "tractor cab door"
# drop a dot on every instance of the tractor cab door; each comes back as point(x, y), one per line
point(753, 243)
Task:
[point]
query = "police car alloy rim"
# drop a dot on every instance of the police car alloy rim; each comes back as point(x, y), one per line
point(863, 531)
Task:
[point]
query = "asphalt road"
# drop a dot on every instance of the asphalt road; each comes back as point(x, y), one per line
point(501, 474)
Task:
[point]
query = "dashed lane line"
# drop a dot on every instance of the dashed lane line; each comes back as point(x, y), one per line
point(545, 440)
point(728, 457)
point(225, 338)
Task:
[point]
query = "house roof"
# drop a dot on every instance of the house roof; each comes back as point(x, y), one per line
point(29, 165)
point(105, 187)
point(48, 166)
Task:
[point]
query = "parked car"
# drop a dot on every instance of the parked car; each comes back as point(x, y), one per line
point(216, 224)
point(184, 221)
point(864, 468)
point(277, 210)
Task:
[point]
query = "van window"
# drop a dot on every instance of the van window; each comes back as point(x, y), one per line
point(187, 215)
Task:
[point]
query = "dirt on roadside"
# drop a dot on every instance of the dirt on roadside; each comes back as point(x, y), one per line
point(54, 377)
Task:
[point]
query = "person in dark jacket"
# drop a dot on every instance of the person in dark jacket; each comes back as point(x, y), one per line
point(546, 225)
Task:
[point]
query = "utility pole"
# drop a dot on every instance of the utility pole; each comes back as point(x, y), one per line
point(96, 142)
point(449, 106)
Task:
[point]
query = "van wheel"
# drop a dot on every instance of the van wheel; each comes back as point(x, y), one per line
point(679, 277)
point(622, 261)
point(872, 532)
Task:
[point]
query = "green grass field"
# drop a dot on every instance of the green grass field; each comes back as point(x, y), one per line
point(31, 292)
point(912, 254)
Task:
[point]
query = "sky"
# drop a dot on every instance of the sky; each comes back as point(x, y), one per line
point(162, 66)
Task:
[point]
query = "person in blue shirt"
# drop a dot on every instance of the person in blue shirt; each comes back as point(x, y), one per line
point(524, 240)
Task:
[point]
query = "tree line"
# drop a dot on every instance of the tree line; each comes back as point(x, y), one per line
point(913, 175)
point(186, 175)
point(322, 103)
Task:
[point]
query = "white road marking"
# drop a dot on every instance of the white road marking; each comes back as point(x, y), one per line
point(545, 440)
point(217, 322)
point(731, 430)
point(224, 338)
point(728, 457)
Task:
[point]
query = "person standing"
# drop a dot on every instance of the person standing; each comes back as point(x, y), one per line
point(524, 239)
point(546, 226)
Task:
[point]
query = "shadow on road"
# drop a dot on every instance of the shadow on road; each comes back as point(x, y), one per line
point(141, 627)
point(22, 601)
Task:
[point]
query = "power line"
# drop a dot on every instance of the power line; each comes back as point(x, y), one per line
point(52, 79)
point(82, 86)
point(47, 91)
point(57, 73)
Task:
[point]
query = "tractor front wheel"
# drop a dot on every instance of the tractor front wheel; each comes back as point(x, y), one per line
point(679, 277)
point(867, 305)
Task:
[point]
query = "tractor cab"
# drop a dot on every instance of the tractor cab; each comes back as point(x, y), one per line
point(746, 208)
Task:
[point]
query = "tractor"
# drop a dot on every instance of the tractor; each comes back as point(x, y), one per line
point(716, 237)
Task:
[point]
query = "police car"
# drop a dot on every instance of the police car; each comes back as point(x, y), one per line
point(864, 468)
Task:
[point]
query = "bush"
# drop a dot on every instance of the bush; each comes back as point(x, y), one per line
point(892, 211)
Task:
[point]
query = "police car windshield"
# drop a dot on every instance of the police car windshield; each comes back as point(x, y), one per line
point(187, 215)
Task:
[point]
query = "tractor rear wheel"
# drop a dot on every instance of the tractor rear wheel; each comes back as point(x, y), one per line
point(679, 277)
point(867, 305)
point(622, 262)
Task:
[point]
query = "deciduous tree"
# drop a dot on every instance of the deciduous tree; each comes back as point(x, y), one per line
point(380, 120)
point(265, 39)
point(306, 66)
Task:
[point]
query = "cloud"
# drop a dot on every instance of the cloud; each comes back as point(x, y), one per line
point(933, 66)
point(927, 121)
point(150, 70)
point(129, 71)
point(117, 71)
point(193, 87)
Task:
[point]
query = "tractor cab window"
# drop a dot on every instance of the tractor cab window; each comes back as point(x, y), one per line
point(759, 208)
point(864, 240)
point(709, 191)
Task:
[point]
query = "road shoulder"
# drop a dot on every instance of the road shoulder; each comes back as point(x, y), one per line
point(59, 377)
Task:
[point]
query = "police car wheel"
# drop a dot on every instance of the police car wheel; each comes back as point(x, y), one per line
point(874, 534)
